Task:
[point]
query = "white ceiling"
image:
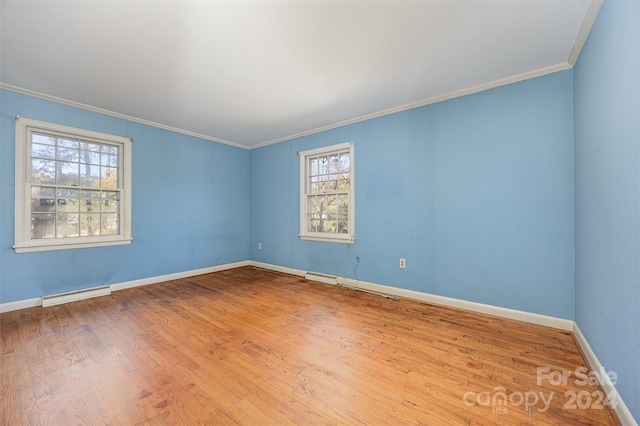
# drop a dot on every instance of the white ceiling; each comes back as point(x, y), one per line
point(252, 73)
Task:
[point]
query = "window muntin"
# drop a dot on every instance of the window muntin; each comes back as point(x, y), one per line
point(326, 205)
point(72, 187)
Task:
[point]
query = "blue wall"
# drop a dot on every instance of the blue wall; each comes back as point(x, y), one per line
point(190, 207)
point(607, 158)
point(476, 193)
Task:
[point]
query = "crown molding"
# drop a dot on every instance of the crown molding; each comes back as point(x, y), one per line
point(80, 105)
point(435, 99)
point(585, 29)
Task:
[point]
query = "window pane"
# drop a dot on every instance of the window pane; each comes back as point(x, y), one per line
point(313, 167)
point(67, 173)
point(67, 225)
point(67, 143)
point(311, 223)
point(322, 206)
point(334, 160)
point(312, 205)
point(110, 224)
point(43, 226)
point(109, 177)
point(333, 182)
point(343, 224)
point(110, 201)
point(343, 204)
point(90, 153)
point(68, 201)
point(89, 175)
point(323, 167)
point(331, 223)
point(110, 155)
point(109, 160)
point(42, 138)
point(345, 162)
point(109, 149)
point(332, 204)
point(345, 183)
point(90, 201)
point(68, 154)
point(89, 224)
point(43, 171)
point(43, 199)
point(316, 214)
point(43, 151)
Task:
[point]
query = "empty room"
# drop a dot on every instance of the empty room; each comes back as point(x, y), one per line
point(320, 212)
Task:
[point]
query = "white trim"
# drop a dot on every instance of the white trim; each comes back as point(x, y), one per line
point(20, 304)
point(530, 317)
point(116, 114)
point(60, 245)
point(23, 241)
point(74, 296)
point(609, 388)
point(346, 239)
point(37, 301)
point(327, 279)
point(177, 275)
point(278, 268)
point(533, 318)
point(435, 99)
point(585, 29)
point(432, 100)
point(304, 194)
point(326, 150)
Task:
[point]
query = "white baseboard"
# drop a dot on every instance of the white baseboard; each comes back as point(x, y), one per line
point(75, 296)
point(278, 268)
point(609, 388)
point(37, 301)
point(20, 304)
point(560, 323)
point(177, 275)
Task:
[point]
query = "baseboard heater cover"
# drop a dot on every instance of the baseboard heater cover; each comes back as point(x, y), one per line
point(327, 279)
point(74, 296)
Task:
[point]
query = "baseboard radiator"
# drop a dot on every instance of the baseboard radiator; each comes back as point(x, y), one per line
point(74, 296)
point(327, 279)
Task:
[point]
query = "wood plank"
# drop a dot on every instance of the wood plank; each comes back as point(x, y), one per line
point(249, 346)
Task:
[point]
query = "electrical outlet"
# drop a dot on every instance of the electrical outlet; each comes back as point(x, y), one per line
point(403, 263)
point(259, 246)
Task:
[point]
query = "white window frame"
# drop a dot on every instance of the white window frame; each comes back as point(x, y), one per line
point(23, 241)
point(347, 238)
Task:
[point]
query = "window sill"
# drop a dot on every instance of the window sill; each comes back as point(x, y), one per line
point(57, 245)
point(344, 240)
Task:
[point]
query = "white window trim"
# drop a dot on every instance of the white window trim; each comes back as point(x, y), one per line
point(323, 236)
point(23, 241)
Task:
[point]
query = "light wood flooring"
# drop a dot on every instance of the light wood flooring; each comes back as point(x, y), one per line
point(254, 347)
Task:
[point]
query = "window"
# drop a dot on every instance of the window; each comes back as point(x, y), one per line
point(73, 187)
point(326, 194)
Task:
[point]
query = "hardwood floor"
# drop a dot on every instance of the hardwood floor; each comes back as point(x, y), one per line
point(249, 346)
